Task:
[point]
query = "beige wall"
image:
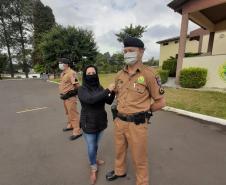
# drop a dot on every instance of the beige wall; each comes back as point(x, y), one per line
point(205, 43)
point(172, 49)
point(213, 65)
point(219, 46)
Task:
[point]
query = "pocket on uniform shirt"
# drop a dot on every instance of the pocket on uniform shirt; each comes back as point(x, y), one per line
point(139, 88)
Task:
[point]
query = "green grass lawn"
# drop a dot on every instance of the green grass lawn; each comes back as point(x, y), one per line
point(203, 102)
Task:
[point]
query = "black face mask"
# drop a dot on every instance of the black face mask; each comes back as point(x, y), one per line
point(92, 80)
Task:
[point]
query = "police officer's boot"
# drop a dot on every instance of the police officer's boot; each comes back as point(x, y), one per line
point(110, 176)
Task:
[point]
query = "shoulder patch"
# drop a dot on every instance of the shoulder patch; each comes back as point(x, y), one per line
point(161, 90)
point(158, 80)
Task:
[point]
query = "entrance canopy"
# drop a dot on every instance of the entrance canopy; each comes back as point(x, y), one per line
point(208, 14)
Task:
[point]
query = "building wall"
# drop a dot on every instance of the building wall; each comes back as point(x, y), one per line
point(219, 46)
point(216, 66)
point(192, 46)
point(172, 49)
point(205, 43)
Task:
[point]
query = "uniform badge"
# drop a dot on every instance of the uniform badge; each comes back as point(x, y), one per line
point(158, 80)
point(140, 80)
point(161, 90)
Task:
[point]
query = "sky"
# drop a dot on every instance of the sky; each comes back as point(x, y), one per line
point(107, 17)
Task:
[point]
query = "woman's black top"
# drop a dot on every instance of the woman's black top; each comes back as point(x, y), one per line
point(93, 115)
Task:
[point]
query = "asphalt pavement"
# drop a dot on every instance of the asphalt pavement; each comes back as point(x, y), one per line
point(35, 151)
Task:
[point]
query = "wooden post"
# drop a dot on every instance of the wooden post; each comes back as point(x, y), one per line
point(210, 45)
point(182, 45)
point(200, 43)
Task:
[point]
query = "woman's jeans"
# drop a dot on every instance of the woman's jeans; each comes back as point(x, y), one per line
point(92, 141)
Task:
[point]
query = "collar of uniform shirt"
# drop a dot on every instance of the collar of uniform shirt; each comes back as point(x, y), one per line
point(139, 68)
point(65, 71)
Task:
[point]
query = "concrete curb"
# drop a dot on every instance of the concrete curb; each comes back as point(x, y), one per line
point(196, 115)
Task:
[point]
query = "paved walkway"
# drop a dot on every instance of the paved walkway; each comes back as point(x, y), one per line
point(35, 151)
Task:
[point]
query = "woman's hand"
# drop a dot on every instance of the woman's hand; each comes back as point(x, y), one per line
point(111, 87)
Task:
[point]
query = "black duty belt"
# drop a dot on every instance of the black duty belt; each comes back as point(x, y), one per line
point(137, 118)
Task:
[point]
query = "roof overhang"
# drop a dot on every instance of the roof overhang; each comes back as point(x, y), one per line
point(177, 5)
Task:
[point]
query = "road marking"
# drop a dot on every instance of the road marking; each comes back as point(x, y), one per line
point(29, 110)
point(53, 82)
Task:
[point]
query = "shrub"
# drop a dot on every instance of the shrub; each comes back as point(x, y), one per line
point(170, 65)
point(164, 74)
point(39, 68)
point(189, 54)
point(193, 77)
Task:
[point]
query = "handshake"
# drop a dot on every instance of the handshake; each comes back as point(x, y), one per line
point(111, 87)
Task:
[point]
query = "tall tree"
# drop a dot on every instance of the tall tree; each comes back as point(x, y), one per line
point(6, 30)
point(76, 44)
point(43, 21)
point(22, 24)
point(132, 31)
point(3, 63)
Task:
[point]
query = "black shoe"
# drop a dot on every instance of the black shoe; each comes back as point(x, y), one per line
point(67, 129)
point(110, 176)
point(74, 137)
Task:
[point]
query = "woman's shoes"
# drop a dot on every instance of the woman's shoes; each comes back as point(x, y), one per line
point(93, 176)
point(93, 172)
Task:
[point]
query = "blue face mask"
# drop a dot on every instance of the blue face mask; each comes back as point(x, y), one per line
point(130, 58)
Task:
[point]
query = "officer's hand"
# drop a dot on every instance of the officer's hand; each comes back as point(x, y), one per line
point(111, 87)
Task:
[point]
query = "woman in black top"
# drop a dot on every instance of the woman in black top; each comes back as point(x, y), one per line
point(93, 119)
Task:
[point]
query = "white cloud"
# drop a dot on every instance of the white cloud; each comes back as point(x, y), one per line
point(107, 17)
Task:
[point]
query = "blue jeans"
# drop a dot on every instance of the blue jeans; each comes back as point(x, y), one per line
point(92, 141)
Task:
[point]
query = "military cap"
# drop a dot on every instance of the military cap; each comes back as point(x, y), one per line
point(133, 42)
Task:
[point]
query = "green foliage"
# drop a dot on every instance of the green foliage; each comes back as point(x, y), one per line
point(193, 77)
point(74, 43)
point(164, 74)
point(22, 25)
point(170, 65)
point(7, 32)
point(3, 63)
point(136, 31)
point(189, 54)
point(109, 64)
point(43, 21)
point(39, 68)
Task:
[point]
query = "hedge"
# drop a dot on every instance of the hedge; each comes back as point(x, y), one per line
point(164, 74)
point(170, 65)
point(193, 77)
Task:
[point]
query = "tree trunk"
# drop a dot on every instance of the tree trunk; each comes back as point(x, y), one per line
point(8, 47)
point(25, 66)
point(10, 62)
